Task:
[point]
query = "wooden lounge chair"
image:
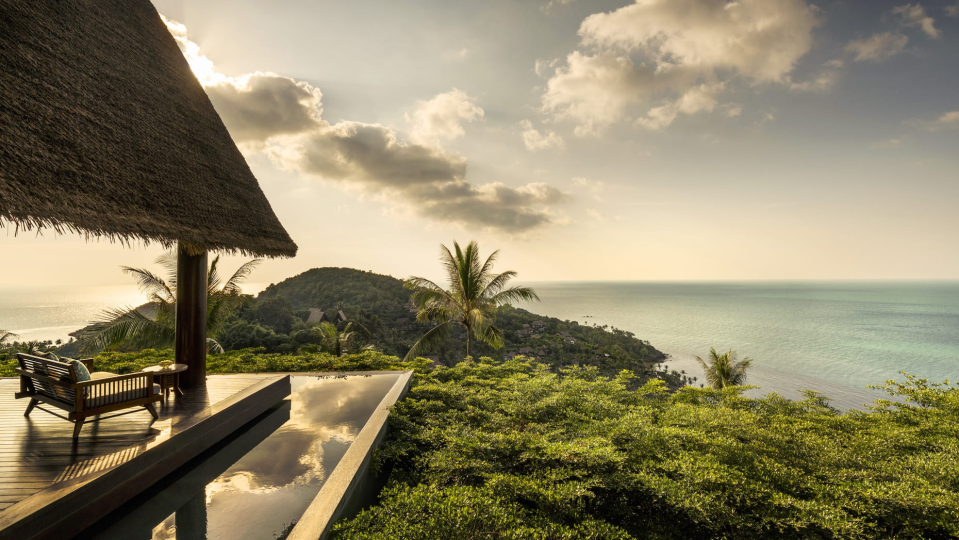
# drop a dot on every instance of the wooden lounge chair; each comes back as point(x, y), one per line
point(53, 382)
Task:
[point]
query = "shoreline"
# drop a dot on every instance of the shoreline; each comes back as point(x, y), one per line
point(843, 397)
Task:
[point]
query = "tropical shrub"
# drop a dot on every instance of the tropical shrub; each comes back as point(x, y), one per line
point(513, 450)
point(249, 361)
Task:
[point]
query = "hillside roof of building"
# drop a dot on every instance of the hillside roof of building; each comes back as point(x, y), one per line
point(105, 131)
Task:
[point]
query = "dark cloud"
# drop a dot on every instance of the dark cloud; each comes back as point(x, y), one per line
point(371, 153)
point(260, 105)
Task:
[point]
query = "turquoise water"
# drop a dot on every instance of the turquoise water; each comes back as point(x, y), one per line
point(832, 337)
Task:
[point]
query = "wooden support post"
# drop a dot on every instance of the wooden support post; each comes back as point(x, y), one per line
point(191, 285)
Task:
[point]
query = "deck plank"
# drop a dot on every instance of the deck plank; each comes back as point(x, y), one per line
point(38, 451)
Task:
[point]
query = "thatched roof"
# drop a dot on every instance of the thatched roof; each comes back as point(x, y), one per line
point(104, 130)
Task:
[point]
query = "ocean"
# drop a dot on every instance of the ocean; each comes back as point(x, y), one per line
point(835, 338)
point(42, 313)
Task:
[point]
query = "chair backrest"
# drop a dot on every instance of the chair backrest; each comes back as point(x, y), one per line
point(49, 368)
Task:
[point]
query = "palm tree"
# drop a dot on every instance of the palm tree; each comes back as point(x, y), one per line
point(338, 342)
point(30, 347)
point(154, 323)
point(724, 370)
point(6, 336)
point(474, 295)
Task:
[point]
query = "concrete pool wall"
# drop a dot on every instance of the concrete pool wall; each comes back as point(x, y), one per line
point(351, 485)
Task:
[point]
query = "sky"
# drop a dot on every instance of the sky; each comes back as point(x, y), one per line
point(587, 140)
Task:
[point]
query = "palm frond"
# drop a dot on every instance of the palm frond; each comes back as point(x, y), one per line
point(435, 314)
point(152, 285)
point(452, 268)
point(213, 276)
point(497, 283)
point(122, 324)
point(5, 336)
point(232, 285)
point(492, 336)
point(513, 294)
point(488, 265)
point(416, 282)
point(213, 346)
point(424, 299)
point(168, 260)
point(430, 338)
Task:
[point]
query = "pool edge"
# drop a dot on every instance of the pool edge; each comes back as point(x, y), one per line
point(352, 471)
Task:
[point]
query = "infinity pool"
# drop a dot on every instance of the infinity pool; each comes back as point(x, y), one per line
point(258, 482)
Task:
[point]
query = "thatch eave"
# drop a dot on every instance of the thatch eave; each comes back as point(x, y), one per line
point(105, 132)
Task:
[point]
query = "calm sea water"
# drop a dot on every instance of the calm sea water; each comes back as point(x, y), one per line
point(41, 313)
point(832, 337)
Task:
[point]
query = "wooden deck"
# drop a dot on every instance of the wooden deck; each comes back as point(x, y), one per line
point(40, 462)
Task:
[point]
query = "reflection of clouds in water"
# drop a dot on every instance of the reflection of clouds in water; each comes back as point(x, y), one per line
point(336, 402)
point(166, 530)
point(326, 416)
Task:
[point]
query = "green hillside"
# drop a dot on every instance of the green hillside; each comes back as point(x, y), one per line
point(381, 304)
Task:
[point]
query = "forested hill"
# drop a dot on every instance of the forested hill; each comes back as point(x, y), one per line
point(329, 287)
point(381, 304)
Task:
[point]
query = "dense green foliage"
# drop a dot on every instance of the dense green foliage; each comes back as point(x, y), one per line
point(247, 361)
point(331, 287)
point(514, 450)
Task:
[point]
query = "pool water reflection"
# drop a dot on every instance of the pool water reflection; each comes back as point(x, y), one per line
point(262, 478)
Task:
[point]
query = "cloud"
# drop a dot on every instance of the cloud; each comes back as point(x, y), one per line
point(732, 110)
point(549, 6)
point(201, 66)
point(442, 117)
point(914, 16)
point(696, 99)
point(593, 91)
point(949, 120)
point(369, 155)
point(594, 187)
point(689, 50)
point(542, 67)
point(258, 106)
point(535, 141)
point(886, 144)
point(825, 79)
point(953, 10)
point(877, 46)
point(457, 54)
point(760, 39)
point(282, 117)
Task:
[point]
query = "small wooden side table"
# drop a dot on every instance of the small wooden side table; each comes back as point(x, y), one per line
point(168, 379)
